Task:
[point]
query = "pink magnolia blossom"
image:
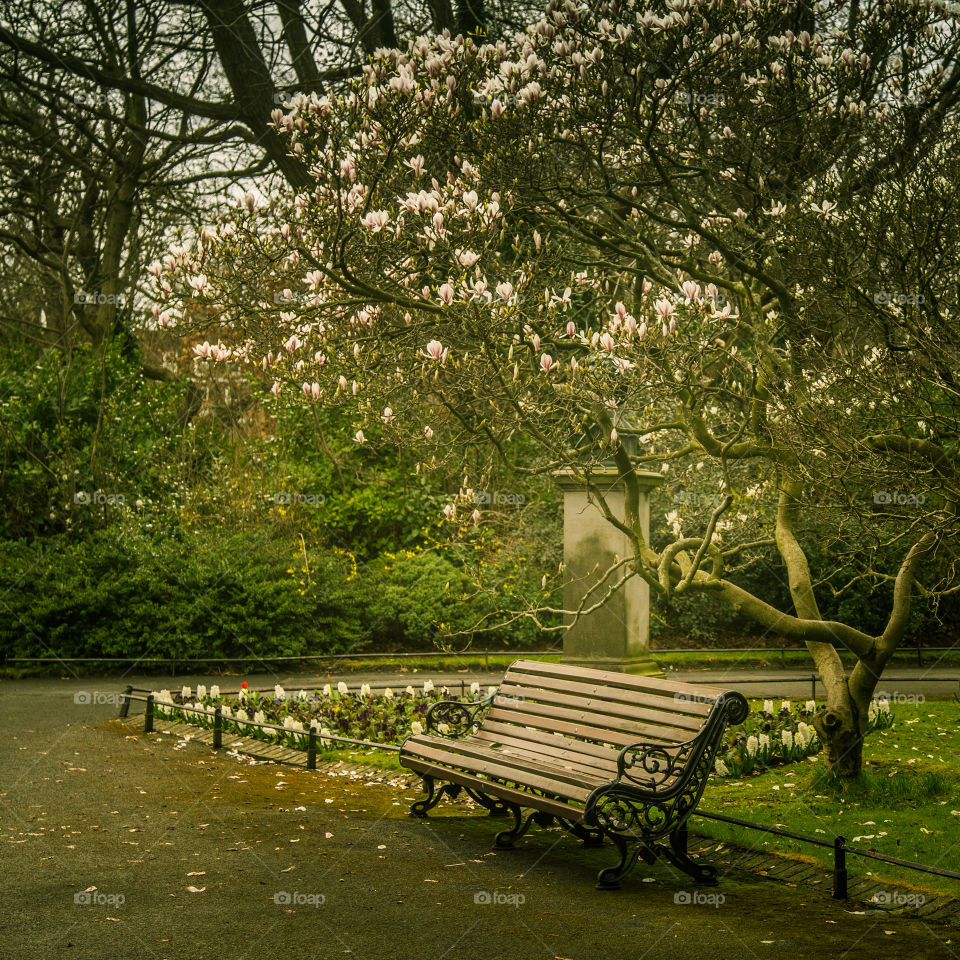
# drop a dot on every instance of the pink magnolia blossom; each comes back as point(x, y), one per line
point(607, 342)
point(475, 516)
point(445, 293)
point(691, 289)
point(435, 350)
point(505, 290)
point(547, 363)
point(359, 437)
point(428, 433)
point(664, 308)
point(450, 511)
point(275, 389)
point(467, 258)
point(387, 415)
point(315, 390)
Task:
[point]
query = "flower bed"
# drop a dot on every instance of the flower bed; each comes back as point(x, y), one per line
point(386, 717)
point(767, 738)
point(770, 739)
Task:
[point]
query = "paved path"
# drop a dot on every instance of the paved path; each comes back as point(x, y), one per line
point(128, 823)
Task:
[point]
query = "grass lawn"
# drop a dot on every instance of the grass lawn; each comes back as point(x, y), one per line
point(907, 806)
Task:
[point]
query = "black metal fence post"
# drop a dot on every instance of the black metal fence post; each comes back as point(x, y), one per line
point(148, 715)
point(217, 728)
point(312, 749)
point(839, 868)
point(125, 701)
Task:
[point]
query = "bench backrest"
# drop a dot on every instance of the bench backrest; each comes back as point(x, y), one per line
point(602, 711)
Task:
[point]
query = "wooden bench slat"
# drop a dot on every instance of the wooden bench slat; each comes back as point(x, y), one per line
point(575, 763)
point(520, 797)
point(601, 728)
point(694, 710)
point(502, 767)
point(602, 707)
point(623, 680)
point(603, 755)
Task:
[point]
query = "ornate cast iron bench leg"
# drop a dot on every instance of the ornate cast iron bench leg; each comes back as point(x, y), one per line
point(678, 856)
point(506, 838)
point(420, 807)
point(496, 807)
point(609, 877)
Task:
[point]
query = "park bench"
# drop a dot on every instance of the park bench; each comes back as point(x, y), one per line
point(602, 754)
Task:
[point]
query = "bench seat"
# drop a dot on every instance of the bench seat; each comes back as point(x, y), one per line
point(605, 755)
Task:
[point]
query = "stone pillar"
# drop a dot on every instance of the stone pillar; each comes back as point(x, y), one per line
point(617, 635)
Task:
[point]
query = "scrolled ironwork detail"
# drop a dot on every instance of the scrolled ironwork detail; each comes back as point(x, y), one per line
point(453, 718)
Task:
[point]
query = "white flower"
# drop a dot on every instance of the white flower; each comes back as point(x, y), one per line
point(388, 694)
point(475, 688)
point(721, 768)
point(326, 690)
point(324, 734)
point(784, 704)
point(186, 693)
point(243, 715)
point(428, 686)
point(410, 690)
point(786, 738)
point(364, 689)
point(259, 717)
point(768, 706)
point(278, 692)
point(288, 723)
point(341, 687)
point(491, 690)
point(225, 710)
point(215, 692)
point(416, 728)
point(764, 741)
point(302, 695)
point(811, 705)
point(201, 691)
point(752, 744)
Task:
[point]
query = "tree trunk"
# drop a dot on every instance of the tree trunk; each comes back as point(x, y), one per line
point(841, 728)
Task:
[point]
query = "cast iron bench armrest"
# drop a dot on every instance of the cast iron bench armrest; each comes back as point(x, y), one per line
point(458, 717)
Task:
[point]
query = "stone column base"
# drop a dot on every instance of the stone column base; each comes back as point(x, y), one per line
point(641, 666)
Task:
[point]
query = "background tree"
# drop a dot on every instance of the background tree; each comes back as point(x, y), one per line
point(684, 222)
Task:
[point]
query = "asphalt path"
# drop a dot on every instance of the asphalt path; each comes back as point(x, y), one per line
point(121, 845)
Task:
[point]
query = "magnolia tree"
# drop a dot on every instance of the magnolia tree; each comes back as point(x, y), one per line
point(729, 229)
